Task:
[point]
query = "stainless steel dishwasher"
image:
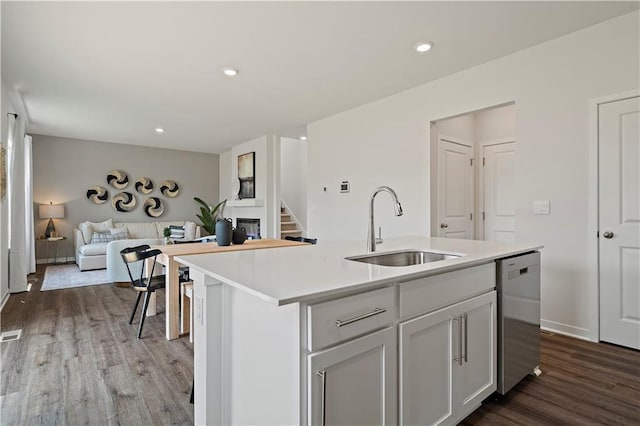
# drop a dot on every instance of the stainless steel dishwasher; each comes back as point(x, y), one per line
point(518, 319)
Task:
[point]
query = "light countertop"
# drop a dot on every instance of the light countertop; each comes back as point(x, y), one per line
point(296, 274)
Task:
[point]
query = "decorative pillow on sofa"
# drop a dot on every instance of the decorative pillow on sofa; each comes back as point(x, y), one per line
point(190, 230)
point(121, 233)
point(88, 228)
point(112, 235)
point(101, 237)
point(177, 232)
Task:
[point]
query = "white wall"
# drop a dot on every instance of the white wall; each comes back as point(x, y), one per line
point(387, 143)
point(461, 127)
point(267, 183)
point(293, 177)
point(495, 124)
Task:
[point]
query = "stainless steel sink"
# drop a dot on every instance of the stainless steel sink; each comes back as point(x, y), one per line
point(402, 258)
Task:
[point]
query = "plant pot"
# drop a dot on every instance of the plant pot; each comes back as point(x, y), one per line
point(239, 236)
point(224, 232)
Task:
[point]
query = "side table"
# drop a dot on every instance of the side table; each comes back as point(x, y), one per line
point(56, 242)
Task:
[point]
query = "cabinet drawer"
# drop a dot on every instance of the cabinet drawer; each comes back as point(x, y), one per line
point(337, 320)
point(431, 293)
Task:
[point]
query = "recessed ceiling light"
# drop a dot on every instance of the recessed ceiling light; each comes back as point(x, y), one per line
point(230, 72)
point(423, 46)
point(159, 130)
point(303, 138)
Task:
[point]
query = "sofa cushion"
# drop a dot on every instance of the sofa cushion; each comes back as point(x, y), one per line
point(88, 228)
point(140, 229)
point(93, 249)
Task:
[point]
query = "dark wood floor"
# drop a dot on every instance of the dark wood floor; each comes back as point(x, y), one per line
point(582, 383)
point(79, 362)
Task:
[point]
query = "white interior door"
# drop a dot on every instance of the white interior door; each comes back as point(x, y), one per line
point(455, 190)
point(619, 217)
point(498, 173)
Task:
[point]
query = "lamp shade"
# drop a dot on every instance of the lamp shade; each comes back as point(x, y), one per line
point(50, 211)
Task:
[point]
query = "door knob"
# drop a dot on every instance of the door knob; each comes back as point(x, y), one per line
point(608, 234)
point(444, 225)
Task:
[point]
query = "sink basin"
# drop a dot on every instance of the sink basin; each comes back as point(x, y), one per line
point(402, 258)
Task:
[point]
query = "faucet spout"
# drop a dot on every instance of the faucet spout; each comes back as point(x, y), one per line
point(371, 237)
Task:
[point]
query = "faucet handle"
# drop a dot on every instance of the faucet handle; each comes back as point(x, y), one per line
point(379, 240)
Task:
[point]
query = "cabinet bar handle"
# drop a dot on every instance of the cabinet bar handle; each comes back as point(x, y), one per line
point(458, 358)
point(466, 336)
point(376, 311)
point(323, 376)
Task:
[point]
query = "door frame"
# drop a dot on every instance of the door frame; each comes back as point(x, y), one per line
point(593, 242)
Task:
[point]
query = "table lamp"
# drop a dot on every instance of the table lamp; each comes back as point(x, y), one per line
point(50, 211)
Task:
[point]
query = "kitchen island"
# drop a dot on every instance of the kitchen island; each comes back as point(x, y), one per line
point(303, 336)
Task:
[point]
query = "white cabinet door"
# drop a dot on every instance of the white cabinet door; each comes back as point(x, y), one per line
point(476, 372)
point(448, 362)
point(426, 357)
point(619, 209)
point(355, 383)
point(455, 190)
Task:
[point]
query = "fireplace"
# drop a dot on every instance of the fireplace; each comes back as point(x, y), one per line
point(252, 226)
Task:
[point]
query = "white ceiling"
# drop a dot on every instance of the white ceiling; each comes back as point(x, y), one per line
point(116, 71)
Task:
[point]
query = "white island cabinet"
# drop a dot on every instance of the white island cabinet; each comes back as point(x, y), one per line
point(302, 336)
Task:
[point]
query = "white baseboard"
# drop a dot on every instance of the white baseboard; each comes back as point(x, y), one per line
point(4, 300)
point(567, 330)
point(53, 260)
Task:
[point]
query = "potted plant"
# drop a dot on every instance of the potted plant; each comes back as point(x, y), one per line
point(209, 215)
point(166, 232)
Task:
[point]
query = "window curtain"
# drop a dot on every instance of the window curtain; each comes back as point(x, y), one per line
point(19, 228)
point(30, 237)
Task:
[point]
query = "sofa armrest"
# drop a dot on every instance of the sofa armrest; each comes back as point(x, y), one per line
point(78, 240)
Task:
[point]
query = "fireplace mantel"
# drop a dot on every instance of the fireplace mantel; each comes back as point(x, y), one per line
point(247, 202)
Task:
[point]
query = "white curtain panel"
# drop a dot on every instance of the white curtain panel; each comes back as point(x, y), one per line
point(18, 254)
point(30, 237)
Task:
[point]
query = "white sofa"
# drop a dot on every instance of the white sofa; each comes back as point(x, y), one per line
point(94, 255)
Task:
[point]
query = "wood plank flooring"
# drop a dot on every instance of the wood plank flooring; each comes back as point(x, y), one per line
point(79, 362)
point(582, 383)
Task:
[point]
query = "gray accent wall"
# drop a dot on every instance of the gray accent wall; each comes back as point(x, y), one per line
point(64, 168)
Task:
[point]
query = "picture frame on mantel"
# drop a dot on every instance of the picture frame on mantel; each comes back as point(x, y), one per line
point(246, 175)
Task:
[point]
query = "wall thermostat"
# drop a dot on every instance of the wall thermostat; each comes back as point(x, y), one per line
point(344, 186)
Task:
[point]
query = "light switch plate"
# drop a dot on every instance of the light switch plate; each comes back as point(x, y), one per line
point(541, 207)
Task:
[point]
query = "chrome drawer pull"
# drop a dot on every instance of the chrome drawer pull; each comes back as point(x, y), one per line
point(376, 311)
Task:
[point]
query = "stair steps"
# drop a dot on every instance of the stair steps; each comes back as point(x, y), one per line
point(288, 227)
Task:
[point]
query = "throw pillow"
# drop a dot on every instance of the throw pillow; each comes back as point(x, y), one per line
point(119, 233)
point(101, 237)
point(87, 229)
point(190, 230)
point(177, 232)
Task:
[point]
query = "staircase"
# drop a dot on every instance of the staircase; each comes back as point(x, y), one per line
point(288, 227)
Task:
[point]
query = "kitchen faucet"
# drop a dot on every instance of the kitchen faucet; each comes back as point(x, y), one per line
point(371, 237)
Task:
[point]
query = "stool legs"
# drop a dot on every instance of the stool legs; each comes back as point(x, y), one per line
point(144, 312)
point(135, 308)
